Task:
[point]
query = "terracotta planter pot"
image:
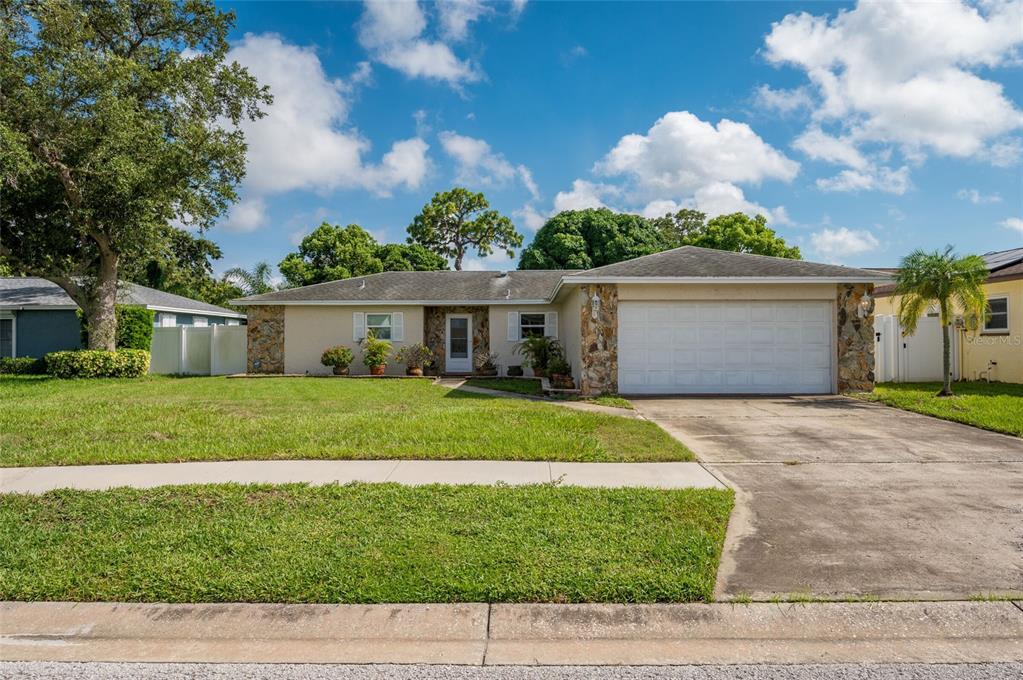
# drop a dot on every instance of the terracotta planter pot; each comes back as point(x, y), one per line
point(340, 370)
point(378, 369)
point(562, 382)
point(487, 372)
point(539, 373)
point(418, 372)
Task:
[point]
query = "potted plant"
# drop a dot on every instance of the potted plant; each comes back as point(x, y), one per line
point(537, 352)
point(486, 363)
point(375, 353)
point(415, 357)
point(561, 373)
point(340, 357)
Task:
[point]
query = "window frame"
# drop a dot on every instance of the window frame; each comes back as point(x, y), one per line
point(389, 326)
point(987, 316)
point(205, 321)
point(165, 317)
point(542, 326)
point(13, 318)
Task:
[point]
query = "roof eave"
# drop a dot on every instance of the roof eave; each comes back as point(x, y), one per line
point(226, 313)
point(243, 302)
point(728, 279)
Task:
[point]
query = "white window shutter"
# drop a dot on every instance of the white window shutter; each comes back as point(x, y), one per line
point(513, 327)
point(358, 326)
point(398, 326)
point(550, 324)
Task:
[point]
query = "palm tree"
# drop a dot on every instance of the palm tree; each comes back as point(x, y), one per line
point(255, 281)
point(950, 281)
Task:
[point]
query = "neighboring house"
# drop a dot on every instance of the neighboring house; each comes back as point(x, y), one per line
point(37, 316)
point(688, 320)
point(995, 350)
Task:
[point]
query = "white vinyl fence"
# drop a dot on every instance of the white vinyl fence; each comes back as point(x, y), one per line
point(913, 358)
point(198, 350)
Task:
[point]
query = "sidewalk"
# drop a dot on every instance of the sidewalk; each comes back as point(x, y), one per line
point(408, 472)
point(481, 634)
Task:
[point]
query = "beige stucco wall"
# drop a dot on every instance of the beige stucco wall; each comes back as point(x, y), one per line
point(570, 320)
point(499, 341)
point(310, 329)
point(977, 348)
point(735, 291)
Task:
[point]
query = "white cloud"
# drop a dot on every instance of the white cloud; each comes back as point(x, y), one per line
point(532, 218)
point(819, 145)
point(901, 73)
point(1013, 223)
point(835, 244)
point(456, 15)
point(660, 207)
point(871, 179)
point(782, 101)
point(1005, 153)
point(477, 163)
point(303, 142)
point(246, 216)
point(584, 195)
point(681, 153)
point(977, 198)
point(392, 32)
point(722, 198)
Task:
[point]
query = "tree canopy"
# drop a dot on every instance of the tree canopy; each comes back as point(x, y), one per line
point(115, 119)
point(582, 239)
point(737, 232)
point(456, 221)
point(333, 252)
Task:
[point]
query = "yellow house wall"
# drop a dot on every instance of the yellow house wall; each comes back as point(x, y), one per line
point(978, 348)
point(499, 341)
point(310, 329)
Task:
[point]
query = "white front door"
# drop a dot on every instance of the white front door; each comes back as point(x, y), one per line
point(729, 347)
point(459, 344)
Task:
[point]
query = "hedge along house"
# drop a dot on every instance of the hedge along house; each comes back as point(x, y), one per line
point(684, 321)
point(37, 316)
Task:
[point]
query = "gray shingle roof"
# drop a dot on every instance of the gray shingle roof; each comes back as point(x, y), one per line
point(434, 287)
point(690, 261)
point(35, 292)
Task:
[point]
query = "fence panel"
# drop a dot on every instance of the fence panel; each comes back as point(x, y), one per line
point(196, 350)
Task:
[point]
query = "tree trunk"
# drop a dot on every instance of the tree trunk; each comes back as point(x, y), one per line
point(946, 348)
point(458, 261)
point(99, 313)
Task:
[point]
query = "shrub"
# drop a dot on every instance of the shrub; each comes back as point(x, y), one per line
point(559, 366)
point(22, 366)
point(90, 363)
point(538, 351)
point(375, 351)
point(134, 327)
point(339, 355)
point(415, 356)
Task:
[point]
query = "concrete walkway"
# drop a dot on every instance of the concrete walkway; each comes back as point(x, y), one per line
point(545, 634)
point(459, 384)
point(409, 472)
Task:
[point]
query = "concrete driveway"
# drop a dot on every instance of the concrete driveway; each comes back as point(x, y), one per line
point(837, 497)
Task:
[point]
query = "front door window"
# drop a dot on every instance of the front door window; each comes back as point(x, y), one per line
point(459, 355)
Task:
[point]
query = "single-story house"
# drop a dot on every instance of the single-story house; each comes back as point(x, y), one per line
point(995, 350)
point(684, 321)
point(37, 316)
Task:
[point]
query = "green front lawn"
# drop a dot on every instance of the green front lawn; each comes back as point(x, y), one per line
point(363, 543)
point(992, 406)
point(516, 385)
point(47, 421)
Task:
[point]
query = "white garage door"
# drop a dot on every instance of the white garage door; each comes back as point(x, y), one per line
point(724, 347)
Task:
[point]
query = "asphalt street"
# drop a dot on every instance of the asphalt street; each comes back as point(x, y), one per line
point(121, 671)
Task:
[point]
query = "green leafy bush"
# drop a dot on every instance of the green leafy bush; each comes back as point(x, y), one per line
point(539, 351)
point(417, 355)
point(22, 366)
point(375, 351)
point(89, 363)
point(134, 327)
point(339, 355)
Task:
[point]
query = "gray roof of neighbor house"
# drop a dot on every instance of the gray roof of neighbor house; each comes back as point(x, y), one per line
point(690, 262)
point(32, 292)
point(424, 287)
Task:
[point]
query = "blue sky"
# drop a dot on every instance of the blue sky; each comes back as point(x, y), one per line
point(862, 132)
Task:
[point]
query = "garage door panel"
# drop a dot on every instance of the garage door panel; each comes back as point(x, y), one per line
point(725, 347)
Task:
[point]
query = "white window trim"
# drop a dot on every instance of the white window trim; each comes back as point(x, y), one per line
point(233, 322)
point(165, 317)
point(14, 331)
point(361, 327)
point(542, 325)
point(203, 319)
point(1005, 330)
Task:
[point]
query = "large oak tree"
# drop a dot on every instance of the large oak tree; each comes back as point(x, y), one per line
point(456, 221)
point(583, 239)
point(116, 118)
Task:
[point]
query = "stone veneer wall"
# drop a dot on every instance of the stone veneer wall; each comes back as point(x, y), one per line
point(435, 331)
point(855, 338)
point(599, 349)
point(266, 339)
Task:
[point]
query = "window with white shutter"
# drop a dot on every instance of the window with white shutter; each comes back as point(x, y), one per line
point(550, 323)
point(358, 326)
point(398, 326)
point(513, 327)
